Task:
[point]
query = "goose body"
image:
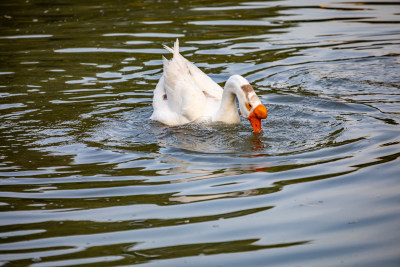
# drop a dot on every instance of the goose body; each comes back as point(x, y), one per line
point(185, 94)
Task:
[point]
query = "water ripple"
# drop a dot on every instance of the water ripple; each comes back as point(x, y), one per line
point(86, 178)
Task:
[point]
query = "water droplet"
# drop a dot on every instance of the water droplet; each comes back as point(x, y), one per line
point(36, 259)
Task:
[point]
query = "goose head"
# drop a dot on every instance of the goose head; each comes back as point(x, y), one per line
point(250, 105)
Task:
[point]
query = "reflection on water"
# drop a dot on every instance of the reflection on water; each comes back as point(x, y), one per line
point(86, 178)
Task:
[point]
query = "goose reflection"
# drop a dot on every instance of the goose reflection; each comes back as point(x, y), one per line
point(209, 139)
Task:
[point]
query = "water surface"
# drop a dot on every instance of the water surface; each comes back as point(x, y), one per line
point(86, 178)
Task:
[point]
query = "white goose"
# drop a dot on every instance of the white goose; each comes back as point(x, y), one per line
point(185, 94)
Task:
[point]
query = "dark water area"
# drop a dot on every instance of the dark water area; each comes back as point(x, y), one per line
point(86, 179)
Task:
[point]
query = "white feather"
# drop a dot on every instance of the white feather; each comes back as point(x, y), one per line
point(185, 94)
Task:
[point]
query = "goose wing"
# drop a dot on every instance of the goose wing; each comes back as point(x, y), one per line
point(183, 95)
point(209, 88)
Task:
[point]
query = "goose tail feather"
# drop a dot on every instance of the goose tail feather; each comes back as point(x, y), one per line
point(175, 50)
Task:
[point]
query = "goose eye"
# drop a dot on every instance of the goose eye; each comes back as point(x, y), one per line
point(249, 106)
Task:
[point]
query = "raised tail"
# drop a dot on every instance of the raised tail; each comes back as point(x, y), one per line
point(176, 47)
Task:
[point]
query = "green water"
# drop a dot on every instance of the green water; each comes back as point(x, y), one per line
point(87, 180)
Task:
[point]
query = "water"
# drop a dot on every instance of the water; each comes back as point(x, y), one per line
point(86, 178)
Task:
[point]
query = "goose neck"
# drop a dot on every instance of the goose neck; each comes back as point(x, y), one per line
point(228, 112)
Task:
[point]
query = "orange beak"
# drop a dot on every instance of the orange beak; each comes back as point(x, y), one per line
point(259, 113)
